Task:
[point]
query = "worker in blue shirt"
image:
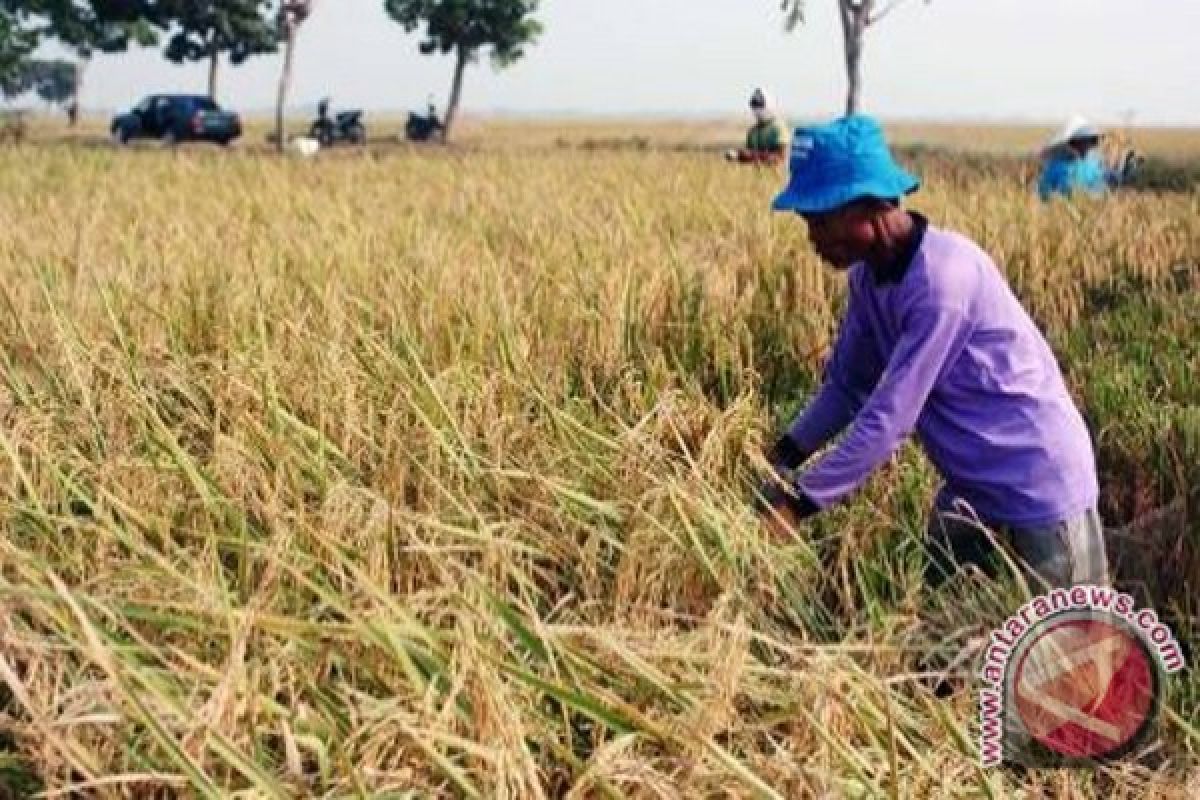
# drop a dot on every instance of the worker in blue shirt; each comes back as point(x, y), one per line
point(1073, 163)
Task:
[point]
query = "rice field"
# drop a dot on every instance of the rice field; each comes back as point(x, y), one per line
point(425, 473)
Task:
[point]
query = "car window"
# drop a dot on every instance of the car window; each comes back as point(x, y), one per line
point(144, 105)
point(162, 103)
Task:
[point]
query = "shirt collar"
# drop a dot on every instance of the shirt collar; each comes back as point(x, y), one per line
point(894, 272)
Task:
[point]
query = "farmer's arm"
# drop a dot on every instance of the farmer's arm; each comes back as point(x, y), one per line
point(1095, 175)
point(850, 375)
point(1050, 181)
point(760, 156)
point(1122, 171)
point(933, 337)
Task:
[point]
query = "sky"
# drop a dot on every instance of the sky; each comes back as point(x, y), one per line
point(988, 60)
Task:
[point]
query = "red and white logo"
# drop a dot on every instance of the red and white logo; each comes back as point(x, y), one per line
point(1084, 687)
point(1073, 676)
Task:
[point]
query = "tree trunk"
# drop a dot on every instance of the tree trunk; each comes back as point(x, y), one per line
point(853, 76)
point(214, 61)
point(460, 66)
point(76, 88)
point(854, 28)
point(285, 81)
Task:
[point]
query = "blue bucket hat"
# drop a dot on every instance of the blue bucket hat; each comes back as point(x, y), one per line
point(839, 162)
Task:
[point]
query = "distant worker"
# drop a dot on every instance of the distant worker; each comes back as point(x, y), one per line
point(766, 141)
point(1073, 162)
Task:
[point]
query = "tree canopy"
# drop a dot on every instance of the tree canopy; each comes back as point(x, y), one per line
point(465, 28)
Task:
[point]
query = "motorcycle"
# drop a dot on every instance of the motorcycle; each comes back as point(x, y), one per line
point(345, 126)
point(422, 128)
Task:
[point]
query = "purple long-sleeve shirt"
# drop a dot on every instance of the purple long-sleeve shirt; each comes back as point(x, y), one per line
point(943, 347)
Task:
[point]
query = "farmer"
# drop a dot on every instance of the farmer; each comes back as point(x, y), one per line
point(934, 342)
point(765, 141)
point(1072, 163)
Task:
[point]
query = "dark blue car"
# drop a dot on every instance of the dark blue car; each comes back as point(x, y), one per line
point(177, 118)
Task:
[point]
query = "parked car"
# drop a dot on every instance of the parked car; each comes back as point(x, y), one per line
point(177, 118)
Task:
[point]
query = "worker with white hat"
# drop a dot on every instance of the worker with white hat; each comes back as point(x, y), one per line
point(766, 142)
point(1072, 162)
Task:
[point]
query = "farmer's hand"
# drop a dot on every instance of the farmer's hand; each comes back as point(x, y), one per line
point(786, 454)
point(782, 511)
point(781, 523)
point(1130, 164)
point(782, 506)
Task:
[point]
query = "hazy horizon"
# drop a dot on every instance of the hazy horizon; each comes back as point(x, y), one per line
point(1017, 61)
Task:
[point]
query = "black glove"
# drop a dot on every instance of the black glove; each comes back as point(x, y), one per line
point(774, 495)
point(786, 454)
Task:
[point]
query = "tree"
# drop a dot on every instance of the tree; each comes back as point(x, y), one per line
point(856, 17)
point(292, 14)
point(17, 42)
point(84, 26)
point(91, 26)
point(464, 28)
point(205, 29)
point(54, 80)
